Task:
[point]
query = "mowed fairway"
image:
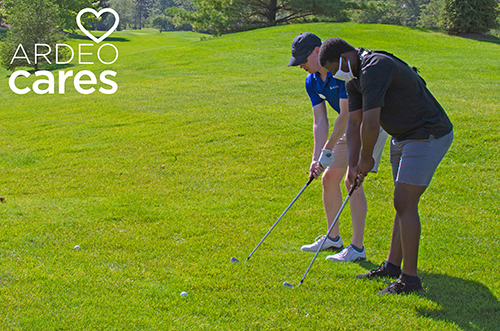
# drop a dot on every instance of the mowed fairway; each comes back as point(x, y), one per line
point(194, 158)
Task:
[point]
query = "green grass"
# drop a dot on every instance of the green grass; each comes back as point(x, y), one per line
point(231, 123)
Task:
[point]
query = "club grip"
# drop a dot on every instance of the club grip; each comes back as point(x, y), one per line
point(354, 186)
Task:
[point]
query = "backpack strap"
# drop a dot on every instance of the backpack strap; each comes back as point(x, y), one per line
point(415, 69)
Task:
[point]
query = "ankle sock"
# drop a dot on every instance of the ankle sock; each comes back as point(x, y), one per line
point(391, 268)
point(334, 239)
point(411, 279)
point(357, 249)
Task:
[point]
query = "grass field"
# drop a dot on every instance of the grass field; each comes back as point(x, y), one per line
point(193, 159)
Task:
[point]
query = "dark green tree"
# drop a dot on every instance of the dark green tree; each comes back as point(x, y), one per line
point(162, 23)
point(126, 11)
point(2, 12)
point(66, 10)
point(159, 6)
point(469, 16)
point(142, 11)
point(430, 16)
point(224, 16)
point(33, 22)
point(397, 12)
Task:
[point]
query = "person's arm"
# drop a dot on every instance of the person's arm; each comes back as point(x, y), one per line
point(353, 144)
point(368, 98)
point(369, 135)
point(339, 128)
point(320, 132)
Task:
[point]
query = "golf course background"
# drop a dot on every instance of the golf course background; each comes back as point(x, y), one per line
point(192, 160)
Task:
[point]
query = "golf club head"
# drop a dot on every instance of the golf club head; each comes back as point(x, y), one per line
point(287, 284)
point(234, 260)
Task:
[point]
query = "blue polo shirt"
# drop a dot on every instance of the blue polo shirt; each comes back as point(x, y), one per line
point(330, 90)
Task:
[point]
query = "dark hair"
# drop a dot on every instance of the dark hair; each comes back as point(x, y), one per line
point(332, 49)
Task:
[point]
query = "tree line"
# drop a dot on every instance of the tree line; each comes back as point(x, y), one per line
point(227, 16)
point(453, 16)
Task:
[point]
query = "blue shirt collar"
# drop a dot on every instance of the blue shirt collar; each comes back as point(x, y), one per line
point(317, 77)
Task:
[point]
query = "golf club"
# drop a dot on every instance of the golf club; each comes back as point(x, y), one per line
point(235, 260)
point(287, 284)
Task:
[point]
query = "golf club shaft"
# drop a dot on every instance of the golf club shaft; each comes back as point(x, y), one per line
point(275, 223)
point(330, 229)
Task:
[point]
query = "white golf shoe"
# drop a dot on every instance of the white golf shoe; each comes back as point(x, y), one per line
point(328, 244)
point(348, 254)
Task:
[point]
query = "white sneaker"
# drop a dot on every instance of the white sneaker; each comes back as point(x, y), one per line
point(328, 244)
point(348, 254)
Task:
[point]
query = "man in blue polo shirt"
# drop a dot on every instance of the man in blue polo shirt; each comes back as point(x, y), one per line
point(321, 86)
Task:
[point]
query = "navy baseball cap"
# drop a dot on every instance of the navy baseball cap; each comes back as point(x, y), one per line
point(301, 46)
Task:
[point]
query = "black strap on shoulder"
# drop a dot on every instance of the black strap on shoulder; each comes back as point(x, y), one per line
point(415, 69)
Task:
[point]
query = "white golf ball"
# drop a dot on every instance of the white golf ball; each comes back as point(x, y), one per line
point(184, 294)
point(77, 247)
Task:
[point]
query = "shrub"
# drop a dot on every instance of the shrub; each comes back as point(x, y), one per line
point(469, 16)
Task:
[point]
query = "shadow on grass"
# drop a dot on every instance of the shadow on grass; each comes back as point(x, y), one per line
point(473, 36)
point(46, 67)
point(481, 37)
point(468, 304)
point(117, 39)
point(53, 66)
point(368, 265)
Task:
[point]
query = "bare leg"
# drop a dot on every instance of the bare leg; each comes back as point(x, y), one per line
point(395, 251)
point(332, 196)
point(406, 230)
point(358, 216)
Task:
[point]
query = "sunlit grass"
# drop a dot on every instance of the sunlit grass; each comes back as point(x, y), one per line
point(191, 161)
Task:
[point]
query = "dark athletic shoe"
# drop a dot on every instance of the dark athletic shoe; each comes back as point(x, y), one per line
point(402, 286)
point(380, 272)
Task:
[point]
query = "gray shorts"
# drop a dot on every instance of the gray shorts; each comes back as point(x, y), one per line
point(340, 152)
point(414, 161)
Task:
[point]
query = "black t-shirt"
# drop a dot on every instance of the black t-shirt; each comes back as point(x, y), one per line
point(408, 109)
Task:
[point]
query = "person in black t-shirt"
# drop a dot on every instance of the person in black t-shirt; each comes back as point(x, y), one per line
point(384, 90)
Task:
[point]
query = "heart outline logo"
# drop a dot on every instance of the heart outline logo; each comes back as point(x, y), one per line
point(97, 14)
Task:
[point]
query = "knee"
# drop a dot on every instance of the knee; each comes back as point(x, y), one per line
point(326, 179)
point(404, 205)
point(406, 198)
point(399, 203)
point(330, 179)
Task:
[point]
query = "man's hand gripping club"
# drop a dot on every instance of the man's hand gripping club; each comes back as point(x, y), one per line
point(325, 159)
